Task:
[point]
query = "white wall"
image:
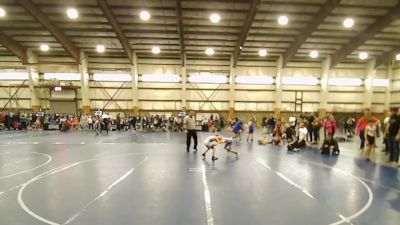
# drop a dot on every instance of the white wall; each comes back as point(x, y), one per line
point(205, 97)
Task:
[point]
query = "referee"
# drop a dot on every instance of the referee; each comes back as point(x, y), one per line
point(189, 124)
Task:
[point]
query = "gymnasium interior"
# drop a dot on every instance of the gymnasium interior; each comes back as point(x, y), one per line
point(199, 112)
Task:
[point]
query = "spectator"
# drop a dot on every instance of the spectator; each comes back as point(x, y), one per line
point(362, 124)
point(329, 146)
point(330, 126)
point(393, 135)
point(301, 141)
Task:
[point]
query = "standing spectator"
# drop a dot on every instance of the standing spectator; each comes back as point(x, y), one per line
point(118, 122)
point(385, 127)
point(310, 120)
point(361, 124)
point(251, 130)
point(330, 126)
point(371, 131)
point(90, 123)
point(171, 123)
point(293, 122)
point(190, 126)
point(393, 135)
point(316, 125)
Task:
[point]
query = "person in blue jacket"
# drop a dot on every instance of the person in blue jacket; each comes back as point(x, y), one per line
point(238, 129)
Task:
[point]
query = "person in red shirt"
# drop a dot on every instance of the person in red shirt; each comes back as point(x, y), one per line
point(330, 126)
point(362, 124)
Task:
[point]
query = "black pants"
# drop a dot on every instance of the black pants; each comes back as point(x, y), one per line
point(190, 134)
point(296, 144)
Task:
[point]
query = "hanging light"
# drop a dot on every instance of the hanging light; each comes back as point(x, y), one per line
point(283, 20)
point(210, 51)
point(156, 50)
point(314, 54)
point(72, 13)
point(144, 15)
point(100, 48)
point(363, 55)
point(348, 22)
point(262, 52)
point(215, 18)
point(44, 47)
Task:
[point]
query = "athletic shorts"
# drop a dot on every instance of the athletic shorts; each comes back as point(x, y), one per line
point(210, 144)
point(371, 140)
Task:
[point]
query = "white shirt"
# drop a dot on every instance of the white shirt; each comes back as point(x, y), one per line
point(292, 120)
point(190, 123)
point(210, 139)
point(303, 134)
point(371, 131)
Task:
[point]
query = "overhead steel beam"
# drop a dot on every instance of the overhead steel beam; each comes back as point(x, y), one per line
point(387, 57)
point(245, 30)
point(357, 41)
point(116, 27)
point(319, 18)
point(13, 46)
point(179, 19)
point(36, 13)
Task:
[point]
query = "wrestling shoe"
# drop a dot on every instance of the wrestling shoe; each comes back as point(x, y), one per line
point(204, 155)
point(214, 158)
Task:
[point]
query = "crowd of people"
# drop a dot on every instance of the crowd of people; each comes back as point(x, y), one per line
point(295, 131)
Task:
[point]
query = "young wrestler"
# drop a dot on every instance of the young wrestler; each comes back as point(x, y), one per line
point(228, 146)
point(251, 131)
point(238, 129)
point(211, 142)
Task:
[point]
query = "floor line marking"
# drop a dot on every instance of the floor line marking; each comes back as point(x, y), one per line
point(100, 154)
point(26, 171)
point(207, 196)
point(302, 190)
point(123, 177)
point(359, 179)
point(54, 171)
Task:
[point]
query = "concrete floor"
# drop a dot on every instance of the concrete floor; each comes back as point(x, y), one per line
point(126, 178)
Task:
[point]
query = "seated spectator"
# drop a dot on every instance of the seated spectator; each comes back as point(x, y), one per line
point(289, 133)
point(330, 145)
point(264, 140)
point(301, 140)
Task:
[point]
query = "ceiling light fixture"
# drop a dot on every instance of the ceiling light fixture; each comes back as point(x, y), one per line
point(262, 52)
point(363, 55)
point(210, 51)
point(72, 13)
point(44, 47)
point(2, 12)
point(314, 54)
point(215, 18)
point(283, 20)
point(348, 23)
point(144, 15)
point(100, 48)
point(156, 50)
